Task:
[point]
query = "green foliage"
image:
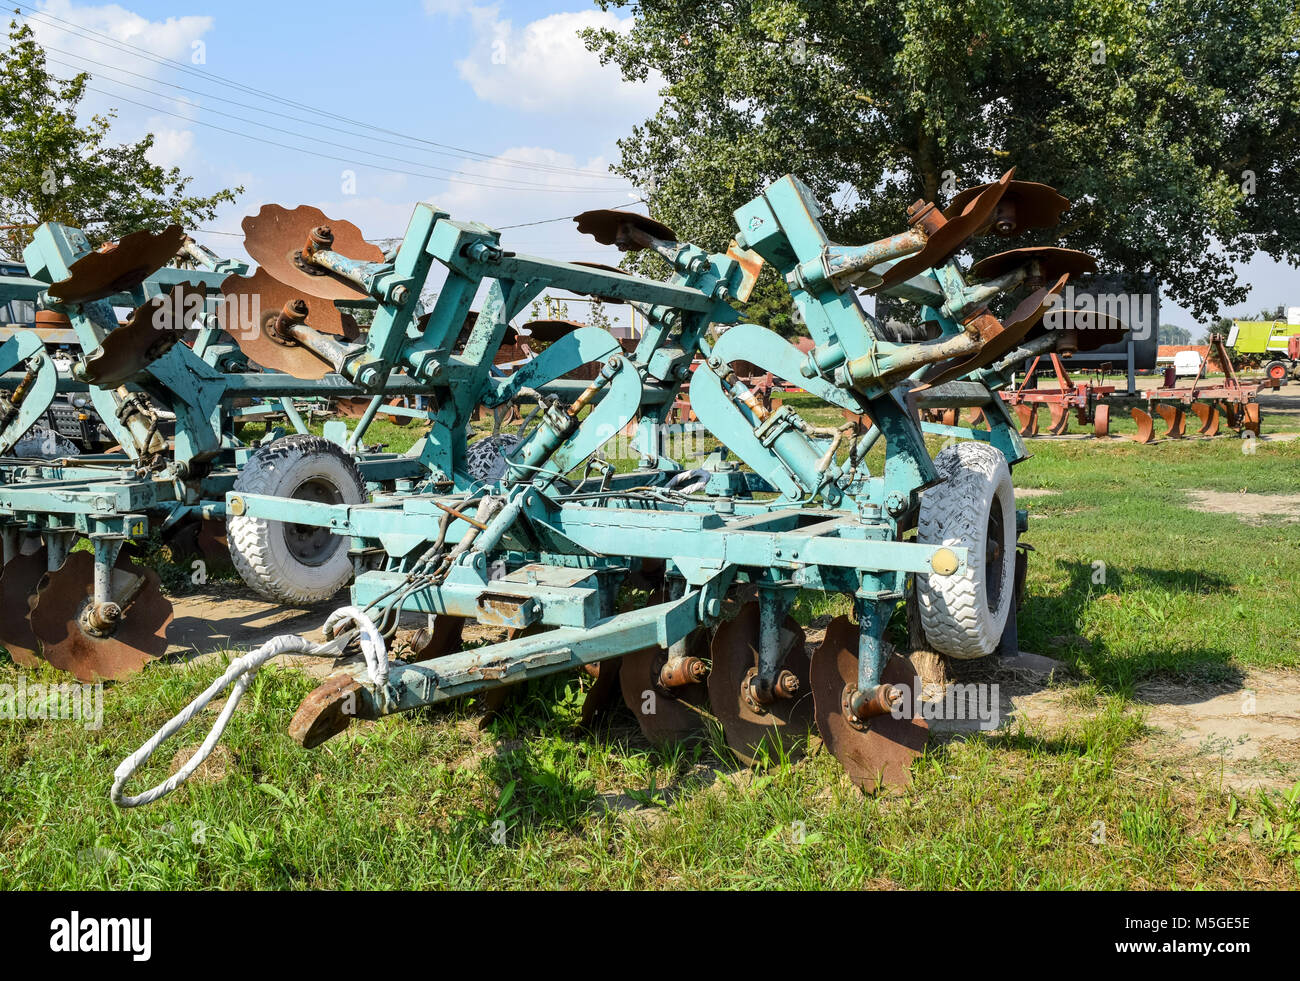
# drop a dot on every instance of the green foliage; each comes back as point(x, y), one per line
point(1173, 334)
point(1171, 126)
point(56, 169)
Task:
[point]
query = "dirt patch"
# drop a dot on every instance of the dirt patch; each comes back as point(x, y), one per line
point(216, 767)
point(1035, 492)
point(1245, 734)
point(1253, 509)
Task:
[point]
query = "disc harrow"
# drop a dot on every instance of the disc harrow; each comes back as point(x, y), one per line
point(535, 540)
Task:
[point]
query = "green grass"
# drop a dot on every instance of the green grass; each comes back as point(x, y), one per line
point(414, 801)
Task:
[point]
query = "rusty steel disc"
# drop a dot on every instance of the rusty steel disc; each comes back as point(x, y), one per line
point(151, 330)
point(18, 582)
point(1081, 330)
point(1025, 318)
point(350, 408)
point(547, 331)
point(56, 619)
point(118, 267)
point(947, 240)
point(275, 237)
point(443, 639)
point(394, 418)
point(781, 726)
point(604, 690)
point(250, 298)
point(880, 752)
point(262, 345)
point(211, 542)
point(627, 230)
point(1052, 262)
point(1025, 205)
point(666, 715)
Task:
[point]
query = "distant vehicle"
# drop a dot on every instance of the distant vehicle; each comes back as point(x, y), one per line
point(1188, 364)
point(1273, 344)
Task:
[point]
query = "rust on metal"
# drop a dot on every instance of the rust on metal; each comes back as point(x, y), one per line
point(119, 268)
point(1050, 261)
point(59, 618)
point(751, 264)
point(18, 584)
point(879, 753)
point(275, 236)
point(1175, 420)
point(547, 331)
point(1025, 205)
point(239, 319)
point(1146, 432)
point(666, 713)
point(149, 332)
point(325, 712)
point(784, 723)
point(627, 230)
point(951, 235)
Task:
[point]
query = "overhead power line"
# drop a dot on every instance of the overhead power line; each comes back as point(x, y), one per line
point(97, 37)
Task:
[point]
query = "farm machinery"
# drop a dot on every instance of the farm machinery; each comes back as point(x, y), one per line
point(670, 583)
point(1229, 404)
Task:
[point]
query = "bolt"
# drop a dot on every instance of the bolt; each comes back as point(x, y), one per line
point(400, 295)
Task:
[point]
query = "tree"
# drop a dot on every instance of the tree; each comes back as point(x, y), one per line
point(54, 169)
point(1173, 334)
point(1172, 126)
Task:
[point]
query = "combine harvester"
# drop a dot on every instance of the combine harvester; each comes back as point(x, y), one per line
point(540, 540)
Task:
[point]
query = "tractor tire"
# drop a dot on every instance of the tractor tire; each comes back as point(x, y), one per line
point(486, 459)
point(1276, 371)
point(295, 564)
point(974, 507)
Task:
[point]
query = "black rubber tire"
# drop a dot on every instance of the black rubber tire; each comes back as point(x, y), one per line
point(486, 458)
point(295, 564)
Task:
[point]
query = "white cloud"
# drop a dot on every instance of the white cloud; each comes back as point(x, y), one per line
point(545, 67)
point(171, 38)
point(171, 147)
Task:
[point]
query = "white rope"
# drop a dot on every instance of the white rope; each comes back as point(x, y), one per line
point(242, 671)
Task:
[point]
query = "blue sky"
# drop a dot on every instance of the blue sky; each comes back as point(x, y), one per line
point(509, 82)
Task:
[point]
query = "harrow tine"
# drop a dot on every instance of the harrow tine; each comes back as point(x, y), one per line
point(1028, 416)
point(1209, 416)
point(1175, 419)
point(1101, 420)
point(1146, 426)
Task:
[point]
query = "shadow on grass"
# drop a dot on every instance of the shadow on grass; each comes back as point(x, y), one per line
point(1055, 625)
